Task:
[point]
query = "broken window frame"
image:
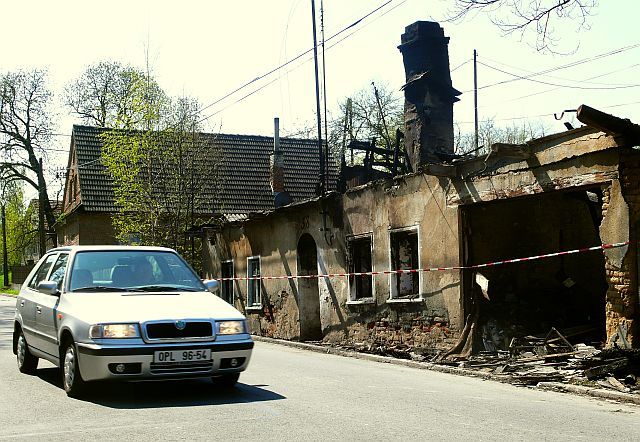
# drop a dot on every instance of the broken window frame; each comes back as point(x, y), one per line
point(393, 277)
point(352, 287)
point(254, 289)
point(228, 283)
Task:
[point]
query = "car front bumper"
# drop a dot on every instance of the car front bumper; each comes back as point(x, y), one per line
point(99, 362)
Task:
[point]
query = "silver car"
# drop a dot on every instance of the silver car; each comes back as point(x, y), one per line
point(126, 313)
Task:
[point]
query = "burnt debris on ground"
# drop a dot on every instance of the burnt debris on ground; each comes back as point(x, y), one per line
point(551, 357)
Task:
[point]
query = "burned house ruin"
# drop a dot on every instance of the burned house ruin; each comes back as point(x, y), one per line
point(569, 191)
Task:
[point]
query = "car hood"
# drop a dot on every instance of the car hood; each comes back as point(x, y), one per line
point(95, 308)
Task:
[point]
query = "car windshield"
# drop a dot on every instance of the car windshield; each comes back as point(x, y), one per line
point(131, 270)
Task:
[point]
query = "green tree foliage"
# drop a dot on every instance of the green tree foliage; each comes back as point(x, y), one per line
point(22, 234)
point(164, 171)
point(109, 94)
point(25, 131)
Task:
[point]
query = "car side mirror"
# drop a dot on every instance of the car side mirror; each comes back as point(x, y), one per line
point(212, 285)
point(48, 288)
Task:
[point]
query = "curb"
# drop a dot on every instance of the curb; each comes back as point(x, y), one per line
point(547, 386)
point(382, 359)
point(588, 391)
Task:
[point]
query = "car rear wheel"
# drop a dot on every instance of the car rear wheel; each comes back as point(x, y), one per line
point(72, 381)
point(228, 380)
point(27, 362)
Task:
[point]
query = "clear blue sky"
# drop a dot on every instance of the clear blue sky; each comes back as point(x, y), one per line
point(208, 48)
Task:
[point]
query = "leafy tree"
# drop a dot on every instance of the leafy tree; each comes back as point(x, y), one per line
point(523, 15)
point(490, 133)
point(25, 130)
point(22, 234)
point(163, 170)
point(108, 94)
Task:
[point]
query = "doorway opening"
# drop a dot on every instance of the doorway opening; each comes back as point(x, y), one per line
point(308, 292)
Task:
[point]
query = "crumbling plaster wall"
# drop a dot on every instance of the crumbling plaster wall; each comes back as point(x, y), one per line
point(416, 200)
point(411, 201)
point(275, 239)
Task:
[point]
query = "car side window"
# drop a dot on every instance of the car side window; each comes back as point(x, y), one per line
point(42, 271)
point(59, 268)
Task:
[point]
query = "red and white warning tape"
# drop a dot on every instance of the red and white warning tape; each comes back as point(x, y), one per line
point(434, 269)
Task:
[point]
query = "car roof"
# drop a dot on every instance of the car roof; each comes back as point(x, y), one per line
point(105, 248)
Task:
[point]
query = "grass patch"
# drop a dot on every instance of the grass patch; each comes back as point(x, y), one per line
point(8, 291)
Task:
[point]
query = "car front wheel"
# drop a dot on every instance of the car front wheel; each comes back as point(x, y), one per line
point(72, 381)
point(27, 362)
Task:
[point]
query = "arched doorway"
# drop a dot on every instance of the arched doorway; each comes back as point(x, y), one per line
point(309, 302)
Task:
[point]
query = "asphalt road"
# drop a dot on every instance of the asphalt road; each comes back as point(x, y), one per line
point(290, 394)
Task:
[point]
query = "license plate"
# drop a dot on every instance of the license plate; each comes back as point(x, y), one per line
point(168, 357)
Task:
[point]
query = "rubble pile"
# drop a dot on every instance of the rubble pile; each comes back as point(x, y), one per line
point(532, 359)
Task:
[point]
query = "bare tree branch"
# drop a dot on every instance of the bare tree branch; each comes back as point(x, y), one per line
point(522, 16)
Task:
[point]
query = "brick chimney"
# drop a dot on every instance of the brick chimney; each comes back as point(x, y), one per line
point(429, 95)
point(276, 175)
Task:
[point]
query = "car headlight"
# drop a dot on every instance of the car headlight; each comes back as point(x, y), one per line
point(231, 327)
point(109, 331)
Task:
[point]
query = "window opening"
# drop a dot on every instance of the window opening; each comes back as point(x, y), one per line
point(404, 256)
point(360, 250)
point(253, 285)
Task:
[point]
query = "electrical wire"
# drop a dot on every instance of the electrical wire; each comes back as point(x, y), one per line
point(566, 86)
point(297, 58)
point(535, 94)
point(565, 66)
point(524, 117)
point(555, 76)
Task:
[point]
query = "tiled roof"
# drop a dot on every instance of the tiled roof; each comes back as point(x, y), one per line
point(244, 171)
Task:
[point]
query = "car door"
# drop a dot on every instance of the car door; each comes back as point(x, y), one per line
point(46, 307)
point(29, 300)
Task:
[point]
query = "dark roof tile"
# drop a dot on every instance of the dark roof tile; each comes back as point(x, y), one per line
point(244, 171)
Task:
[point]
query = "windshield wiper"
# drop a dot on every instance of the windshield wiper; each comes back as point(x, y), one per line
point(162, 288)
point(100, 288)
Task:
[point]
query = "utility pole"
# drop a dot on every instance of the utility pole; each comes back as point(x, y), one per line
point(5, 264)
point(315, 61)
point(475, 97)
point(41, 229)
point(324, 97)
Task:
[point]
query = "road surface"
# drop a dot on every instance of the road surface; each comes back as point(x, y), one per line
point(290, 394)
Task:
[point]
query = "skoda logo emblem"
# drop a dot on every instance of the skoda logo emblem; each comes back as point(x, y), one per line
point(180, 325)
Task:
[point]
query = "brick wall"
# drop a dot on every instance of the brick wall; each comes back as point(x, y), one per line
point(622, 295)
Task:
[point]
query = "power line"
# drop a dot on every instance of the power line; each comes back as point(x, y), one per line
point(297, 58)
point(535, 94)
point(524, 117)
point(461, 64)
point(566, 66)
point(555, 76)
point(519, 77)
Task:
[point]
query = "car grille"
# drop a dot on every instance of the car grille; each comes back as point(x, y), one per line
point(181, 367)
point(169, 330)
